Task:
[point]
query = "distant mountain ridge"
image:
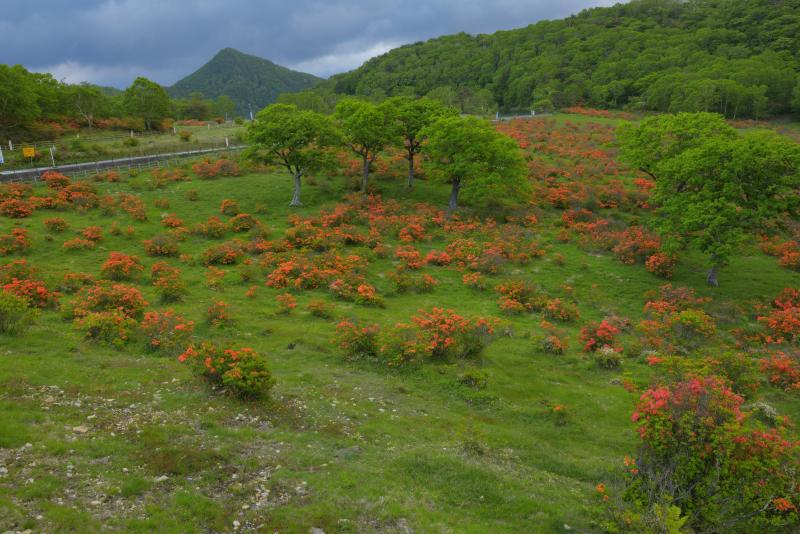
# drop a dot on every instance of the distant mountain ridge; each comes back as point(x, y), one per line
point(246, 79)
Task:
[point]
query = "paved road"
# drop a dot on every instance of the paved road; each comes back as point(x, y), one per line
point(35, 173)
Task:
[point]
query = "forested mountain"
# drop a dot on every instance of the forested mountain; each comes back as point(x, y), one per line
point(244, 78)
point(736, 57)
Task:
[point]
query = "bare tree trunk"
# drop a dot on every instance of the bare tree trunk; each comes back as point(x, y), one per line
point(296, 198)
point(365, 175)
point(711, 278)
point(454, 195)
point(410, 170)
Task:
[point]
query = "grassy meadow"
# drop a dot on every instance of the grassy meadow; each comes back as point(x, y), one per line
point(98, 437)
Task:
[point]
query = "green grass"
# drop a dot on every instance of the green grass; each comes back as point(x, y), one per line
point(347, 447)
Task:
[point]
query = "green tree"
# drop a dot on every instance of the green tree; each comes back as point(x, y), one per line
point(18, 101)
point(796, 98)
point(366, 130)
point(713, 186)
point(468, 153)
point(223, 106)
point(147, 100)
point(195, 107)
point(298, 140)
point(409, 117)
point(87, 102)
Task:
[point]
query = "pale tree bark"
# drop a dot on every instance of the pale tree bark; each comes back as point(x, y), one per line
point(296, 198)
point(454, 194)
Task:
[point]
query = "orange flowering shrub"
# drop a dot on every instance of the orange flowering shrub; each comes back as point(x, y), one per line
point(16, 241)
point(213, 228)
point(161, 245)
point(286, 303)
point(357, 341)
point(16, 209)
point(243, 222)
point(783, 321)
point(92, 233)
point(221, 167)
point(166, 331)
point(218, 314)
point(34, 291)
point(697, 452)
point(171, 221)
point(120, 266)
point(55, 224)
point(242, 372)
point(410, 256)
point(55, 180)
point(661, 264)
point(168, 282)
point(111, 326)
point(229, 207)
point(782, 370)
point(226, 253)
point(104, 297)
point(596, 336)
point(559, 310)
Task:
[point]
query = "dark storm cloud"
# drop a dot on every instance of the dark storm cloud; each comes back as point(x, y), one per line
point(113, 41)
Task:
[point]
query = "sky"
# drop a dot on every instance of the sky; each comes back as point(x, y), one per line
point(111, 42)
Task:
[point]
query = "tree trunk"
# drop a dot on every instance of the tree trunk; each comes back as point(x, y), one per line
point(454, 195)
point(365, 175)
point(296, 198)
point(410, 170)
point(711, 278)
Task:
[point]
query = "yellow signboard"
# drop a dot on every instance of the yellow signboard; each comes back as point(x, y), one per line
point(28, 152)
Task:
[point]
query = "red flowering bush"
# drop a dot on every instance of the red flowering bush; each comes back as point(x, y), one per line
point(55, 224)
point(662, 264)
point(168, 282)
point(243, 222)
point(357, 341)
point(92, 233)
point(16, 209)
point(697, 453)
point(34, 291)
point(218, 314)
point(558, 310)
point(286, 303)
point(553, 341)
point(120, 266)
point(445, 334)
point(517, 296)
point(636, 244)
point(55, 180)
point(221, 167)
point(229, 207)
point(79, 244)
point(320, 308)
point(109, 297)
point(782, 370)
point(783, 321)
point(410, 257)
point(16, 241)
point(166, 331)
point(212, 228)
point(226, 253)
point(171, 221)
point(161, 245)
point(242, 372)
point(474, 280)
point(19, 269)
point(596, 336)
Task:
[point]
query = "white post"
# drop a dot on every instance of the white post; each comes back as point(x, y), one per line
point(52, 157)
point(208, 126)
point(131, 133)
point(2, 161)
point(227, 145)
point(10, 145)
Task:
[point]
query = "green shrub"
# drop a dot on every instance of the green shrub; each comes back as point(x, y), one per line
point(15, 313)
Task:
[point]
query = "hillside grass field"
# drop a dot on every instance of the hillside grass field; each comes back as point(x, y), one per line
point(98, 437)
point(92, 145)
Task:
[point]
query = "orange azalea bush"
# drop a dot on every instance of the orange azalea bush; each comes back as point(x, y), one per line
point(120, 266)
point(242, 372)
point(166, 331)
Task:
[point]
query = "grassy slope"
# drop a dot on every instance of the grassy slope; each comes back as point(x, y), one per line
point(345, 447)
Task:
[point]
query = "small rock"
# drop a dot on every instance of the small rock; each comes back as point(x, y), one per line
point(236, 524)
point(162, 478)
point(317, 530)
point(82, 429)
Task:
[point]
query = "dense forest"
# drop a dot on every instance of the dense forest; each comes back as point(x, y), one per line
point(736, 57)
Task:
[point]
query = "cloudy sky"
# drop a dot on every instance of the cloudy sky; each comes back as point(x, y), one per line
point(110, 42)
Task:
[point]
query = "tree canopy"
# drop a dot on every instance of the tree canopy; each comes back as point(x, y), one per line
point(714, 187)
point(469, 153)
point(366, 130)
point(298, 140)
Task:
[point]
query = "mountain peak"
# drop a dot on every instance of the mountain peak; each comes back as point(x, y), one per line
point(245, 78)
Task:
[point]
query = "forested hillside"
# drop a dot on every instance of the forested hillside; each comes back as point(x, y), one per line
point(244, 78)
point(736, 57)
